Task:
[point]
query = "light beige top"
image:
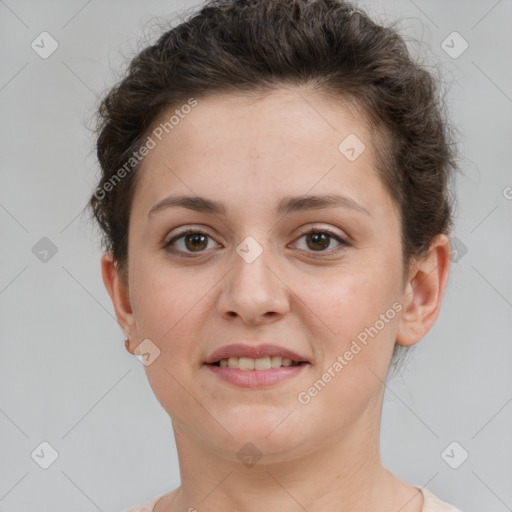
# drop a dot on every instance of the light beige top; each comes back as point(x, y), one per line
point(431, 503)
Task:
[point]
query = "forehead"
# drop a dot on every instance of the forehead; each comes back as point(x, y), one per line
point(252, 121)
point(250, 148)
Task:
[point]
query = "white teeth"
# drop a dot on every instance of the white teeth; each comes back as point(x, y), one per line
point(262, 364)
point(247, 363)
point(244, 363)
point(276, 361)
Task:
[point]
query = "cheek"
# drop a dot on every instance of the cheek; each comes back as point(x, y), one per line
point(348, 300)
point(359, 306)
point(162, 296)
point(354, 360)
point(169, 308)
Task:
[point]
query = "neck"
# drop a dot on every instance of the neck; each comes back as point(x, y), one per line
point(340, 474)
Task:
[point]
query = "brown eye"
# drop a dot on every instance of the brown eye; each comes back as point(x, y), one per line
point(318, 240)
point(196, 241)
point(189, 242)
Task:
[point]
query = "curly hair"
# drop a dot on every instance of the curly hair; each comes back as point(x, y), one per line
point(256, 46)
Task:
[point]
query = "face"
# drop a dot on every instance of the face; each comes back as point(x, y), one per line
point(264, 264)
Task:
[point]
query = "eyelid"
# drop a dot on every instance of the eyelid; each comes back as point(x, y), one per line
point(185, 230)
point(343, 238)
point(304, 230)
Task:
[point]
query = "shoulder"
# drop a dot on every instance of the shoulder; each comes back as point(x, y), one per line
point(146, 507)
point(431, 503)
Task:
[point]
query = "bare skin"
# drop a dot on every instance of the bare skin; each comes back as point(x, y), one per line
point(249, 154)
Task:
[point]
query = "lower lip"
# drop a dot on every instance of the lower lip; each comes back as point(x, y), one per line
point(256, 378)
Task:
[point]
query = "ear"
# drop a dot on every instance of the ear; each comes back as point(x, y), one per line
point(424, 292)
point(118, 291)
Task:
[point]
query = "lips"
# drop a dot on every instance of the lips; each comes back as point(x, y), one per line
point(254, 352)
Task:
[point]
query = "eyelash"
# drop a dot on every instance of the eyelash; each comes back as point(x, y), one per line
point(343, 243)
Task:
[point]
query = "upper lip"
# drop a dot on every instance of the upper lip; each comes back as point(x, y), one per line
point(254, 352)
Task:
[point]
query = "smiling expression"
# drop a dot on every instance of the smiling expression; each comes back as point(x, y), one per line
point(324, 238)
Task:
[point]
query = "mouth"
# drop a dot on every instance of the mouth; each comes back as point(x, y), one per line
point(250, 366)
point(260, 364)
point(245, 372)
point(254, 357)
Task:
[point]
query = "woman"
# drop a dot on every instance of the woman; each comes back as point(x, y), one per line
point(276, 209)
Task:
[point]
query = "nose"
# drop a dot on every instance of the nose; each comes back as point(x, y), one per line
point(254, 292)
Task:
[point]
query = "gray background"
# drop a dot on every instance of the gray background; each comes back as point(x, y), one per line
point(65, 376)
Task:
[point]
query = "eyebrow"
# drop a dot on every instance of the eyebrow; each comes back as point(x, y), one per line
point(286, 206)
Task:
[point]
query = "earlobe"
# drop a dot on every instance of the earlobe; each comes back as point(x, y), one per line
point(424, 292)
point(119, 295)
